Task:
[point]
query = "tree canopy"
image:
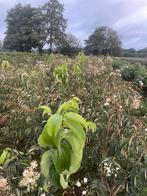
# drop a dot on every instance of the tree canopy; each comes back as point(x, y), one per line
point(103, 40)
point(55, 23)
point(71, 46)
point(24, 29)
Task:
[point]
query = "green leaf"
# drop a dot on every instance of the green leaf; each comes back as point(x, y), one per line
point(48, 169)
point(91, 126)
point(4, 156)
point(62, 157)
point(76, 129)
point(54, 176)
point(76, 117)
point(53, 126)
point(47, 110)
point(48, 136)
point(45, 163)
point(76, 139)
point(63, 181)
point(44, 139)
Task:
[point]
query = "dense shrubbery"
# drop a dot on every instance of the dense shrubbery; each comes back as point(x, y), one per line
point(114, 160)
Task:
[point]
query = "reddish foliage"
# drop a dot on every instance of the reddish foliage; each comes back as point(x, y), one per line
point(3, 121)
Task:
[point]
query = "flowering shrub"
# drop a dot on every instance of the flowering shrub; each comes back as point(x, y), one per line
point(30, 178)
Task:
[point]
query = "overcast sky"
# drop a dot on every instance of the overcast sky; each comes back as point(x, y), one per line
point(127, 17)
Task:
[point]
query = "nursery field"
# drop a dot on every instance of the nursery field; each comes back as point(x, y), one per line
point(72, 126)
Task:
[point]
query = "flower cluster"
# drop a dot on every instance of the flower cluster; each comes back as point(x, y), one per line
point(111, 168)
point(4, 188)
point(140, 83)
point(136, 103)
point(107, 102)
point(30, 177)
point(83, 182)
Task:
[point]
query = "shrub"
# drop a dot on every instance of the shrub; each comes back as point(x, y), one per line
point(64, 139)
point(118, 63)
point(128, 73)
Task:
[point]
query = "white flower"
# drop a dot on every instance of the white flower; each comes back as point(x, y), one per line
point(106, 164)
point(145, 129)
point(115, 175)
point(114, 96)
point(34, 164)
point(106, 104)
point(83, 192)
point(117, 168)
point(108, 174)
point(66, 130)
point(120, 106)
point(108, 170)
point(141, 83)
point(78, 184)
point(43, 194)
point(85, 180)
point(25, 173)
point(108, 100)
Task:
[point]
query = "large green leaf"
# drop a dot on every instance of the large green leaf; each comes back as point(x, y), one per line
point(76, 129)
point(48, 169)
point(54, 176)
point(45, 163)
point(76, 139)
point(77, 118)
point(44, 139)
point(53, 125)
point(76, 159)
point(49, 134)
point(62, 157)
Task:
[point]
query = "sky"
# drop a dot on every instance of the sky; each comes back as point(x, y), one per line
point(127, 17)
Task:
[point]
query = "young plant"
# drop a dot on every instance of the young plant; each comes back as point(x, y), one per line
point(5, 65)
point(63, 137)
point(61, 74)
point(81, 59)
point(76, 69)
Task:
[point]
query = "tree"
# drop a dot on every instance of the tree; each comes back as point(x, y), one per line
point(55, 24)
point(129, 52)
point(103, 40)
point(24, 29)
point(1, 45)
point(71, 46)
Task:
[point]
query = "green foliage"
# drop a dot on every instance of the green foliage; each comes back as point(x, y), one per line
point(64, 135)
point(61, 74)
point(24, 29)
point(76, 69)
point(128, 73)
point(81, 59)
point(118, 63)
point(71, 46)
point(103, 40)
point(4, 156)
point(5, 65)
point(107, 100)
point(55, 24)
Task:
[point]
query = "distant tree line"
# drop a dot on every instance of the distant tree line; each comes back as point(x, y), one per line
point(45, 27)
point(142, 53)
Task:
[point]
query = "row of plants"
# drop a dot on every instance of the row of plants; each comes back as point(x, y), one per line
point(53, 153)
